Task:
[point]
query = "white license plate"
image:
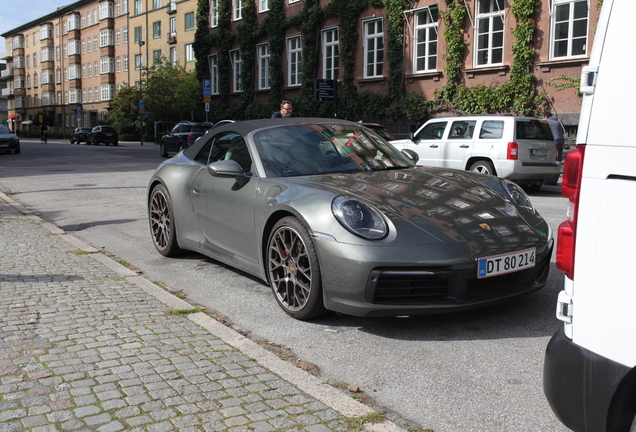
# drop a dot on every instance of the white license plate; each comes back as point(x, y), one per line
point(109, 134)
point(535, 152)
point(506, 263)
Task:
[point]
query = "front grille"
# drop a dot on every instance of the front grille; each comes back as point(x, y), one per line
point(407, 287)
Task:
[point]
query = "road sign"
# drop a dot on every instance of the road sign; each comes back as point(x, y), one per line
point(207, 107)
point(325, 90)
point(207, 89)
point(207, 100)
point(79, 112)
point(142, 105)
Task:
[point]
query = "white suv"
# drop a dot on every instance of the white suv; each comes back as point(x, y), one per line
point(589, 374)
point(520, 149)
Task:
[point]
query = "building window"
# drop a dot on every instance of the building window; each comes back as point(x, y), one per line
point(107, 92)
point(83, 71)
point(173, 56)
point(263, 67)
point(90, 69)
point(263, 5)
point(124, 6)
point(126, 34)
point(125, 62)
point(35, 79)
point(173, 26)
point(237, 65)
point(106, 65)
point(105, 38)
point(189, 53)
point(46, 32)
point(138, 64)
point(214, 13)
point(295, 60)
point(138, 35)
point(57, 53)
point(28, 61)
point(118, 64)
point(137, 7)
point(74, 72)
point(156, 4)
point(156, 29)
point(105, 10)
point(373, 48)
point(118, 37)
point(117, 8)
point(73, 48)
point(425, 41)
point(58, 75)
point(189, 21)
point(156, 56)
point(237, 10)
point(489, 30)
point(73, 24)
point(569, 28)
point(330, 54)
point(89, 44)
point(214, 73)
point(35, 59)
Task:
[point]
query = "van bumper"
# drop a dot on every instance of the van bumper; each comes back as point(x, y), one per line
point(586, 391)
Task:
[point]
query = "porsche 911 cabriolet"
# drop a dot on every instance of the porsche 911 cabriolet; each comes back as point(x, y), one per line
point(334, 218)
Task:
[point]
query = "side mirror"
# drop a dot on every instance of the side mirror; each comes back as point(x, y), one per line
point(411, 136)
point(228, 168)
point(410, 155)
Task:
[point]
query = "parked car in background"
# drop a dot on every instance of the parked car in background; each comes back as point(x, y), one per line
point(335, 218)
point(589, 375)
point(182, 136)
point(103, 134)
point(80, 135)
point(521, 149)
point(8, 140)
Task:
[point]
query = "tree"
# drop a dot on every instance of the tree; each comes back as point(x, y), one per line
point(171, 93)
point(124, 112)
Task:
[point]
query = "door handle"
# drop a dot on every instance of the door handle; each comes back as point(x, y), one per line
point(464, 146)
point(434, 146)
point(196, 191)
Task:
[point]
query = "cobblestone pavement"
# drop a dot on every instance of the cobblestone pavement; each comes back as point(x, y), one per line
point(86, 344)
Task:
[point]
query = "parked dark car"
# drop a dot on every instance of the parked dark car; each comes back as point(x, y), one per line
point(8, 140)
point(182, 136)
point(80, 135)
point(103, 134)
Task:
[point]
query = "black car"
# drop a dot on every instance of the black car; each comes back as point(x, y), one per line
point(80, 134)
point(8, 140)
point(182, 136)
point(103, 134)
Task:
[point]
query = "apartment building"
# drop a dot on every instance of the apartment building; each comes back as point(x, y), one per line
point(489, 53)
point(66, 67)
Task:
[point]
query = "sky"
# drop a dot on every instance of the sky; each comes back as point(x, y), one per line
point(14, 13)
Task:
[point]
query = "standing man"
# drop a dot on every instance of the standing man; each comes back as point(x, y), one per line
point(559, 140)
point(285, 110)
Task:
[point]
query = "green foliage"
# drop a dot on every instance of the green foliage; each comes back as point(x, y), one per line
point(124, 111)
point(171, 93)
point(563, 82)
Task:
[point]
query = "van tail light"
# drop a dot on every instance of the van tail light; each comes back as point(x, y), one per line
point(571, 189)
point(513, 150)
point(190, 139)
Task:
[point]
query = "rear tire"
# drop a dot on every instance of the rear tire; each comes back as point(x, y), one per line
point(162, 223)
point(483, 167)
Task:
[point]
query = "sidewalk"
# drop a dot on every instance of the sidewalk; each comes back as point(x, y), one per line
point(88, 345)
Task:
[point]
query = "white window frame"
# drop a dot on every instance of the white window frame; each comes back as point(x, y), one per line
point(294, 61)
point(73, 47)
point(214, 13)
point(237, 10)
point(189, 52)
point(237, 65)
point(46, 54)
point(331, 53)
point(213, 61)
point(118, 64)
point(105, 38)
point(139, 62)
point(494, 15)
point(118, 37)
point(425, 48)
point(264, 71)
point(47, 77)
point(74, 72)
point(108, 92)
point(137, 8)
point(557, 5)
point(156, 4)
point(189, 17)
point(106, 65)
point(125, 62)
point(73, 22)
point(173, 56)
point(156, 29)
point(46, 32)
point(105, 10)
point(263, 6)
point(373, 48)
point(125, 34)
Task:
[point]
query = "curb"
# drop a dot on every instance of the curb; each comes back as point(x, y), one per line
point(304, 381)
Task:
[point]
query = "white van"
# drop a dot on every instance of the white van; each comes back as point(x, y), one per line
point(520, 149)
point(590, 364)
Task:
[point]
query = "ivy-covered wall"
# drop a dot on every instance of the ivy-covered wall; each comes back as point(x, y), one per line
point(518, 94)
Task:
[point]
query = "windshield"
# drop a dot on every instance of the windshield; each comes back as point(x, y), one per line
point(298, 150)
point(5, 130)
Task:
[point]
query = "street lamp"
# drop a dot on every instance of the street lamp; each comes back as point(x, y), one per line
point(141, 95)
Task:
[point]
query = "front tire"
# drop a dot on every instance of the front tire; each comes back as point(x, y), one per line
point(163, 149)
point(483, 167)
point(293, 270)
point(162, 223)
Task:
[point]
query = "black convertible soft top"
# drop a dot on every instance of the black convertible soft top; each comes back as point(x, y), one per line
point(244, 127)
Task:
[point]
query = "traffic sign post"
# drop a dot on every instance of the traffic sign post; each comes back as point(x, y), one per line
point(326, 92)
point(207, 94)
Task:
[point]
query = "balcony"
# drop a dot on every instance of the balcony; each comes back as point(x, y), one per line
point(172, 7)
point(8, 92)
point(5, 55)
point(172, 38)
point(6, 73)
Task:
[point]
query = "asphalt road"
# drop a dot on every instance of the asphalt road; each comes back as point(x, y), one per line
point(472, 371)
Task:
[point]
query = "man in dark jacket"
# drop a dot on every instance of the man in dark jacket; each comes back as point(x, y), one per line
point(285, 110)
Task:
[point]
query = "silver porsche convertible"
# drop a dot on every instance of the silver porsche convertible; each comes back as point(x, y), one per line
point(334, 218)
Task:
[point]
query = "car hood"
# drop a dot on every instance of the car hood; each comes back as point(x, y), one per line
point(450, 206)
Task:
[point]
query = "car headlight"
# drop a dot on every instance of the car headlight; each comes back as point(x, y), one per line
point(517, 194)
point(359, 219)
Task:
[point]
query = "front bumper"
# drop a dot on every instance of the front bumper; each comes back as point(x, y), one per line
point(383, 282)
point(586, 391)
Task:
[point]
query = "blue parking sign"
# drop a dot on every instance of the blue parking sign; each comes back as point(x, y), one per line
point(207, 92)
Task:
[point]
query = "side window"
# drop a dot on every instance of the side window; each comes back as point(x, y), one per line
point(491, 129)
point(462, 129)
point(216, 148)
point(432, 131)
point(238, 152)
